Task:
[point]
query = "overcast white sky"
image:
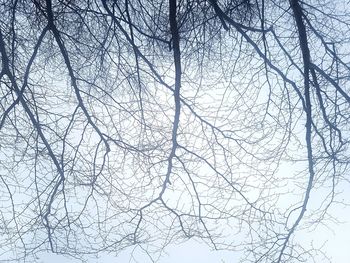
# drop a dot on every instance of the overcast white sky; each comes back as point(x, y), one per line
point(337, 238)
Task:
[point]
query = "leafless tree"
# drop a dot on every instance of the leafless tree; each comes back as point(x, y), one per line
point(145, 123)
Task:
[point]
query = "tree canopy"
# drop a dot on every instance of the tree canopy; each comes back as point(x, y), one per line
point(148, 122)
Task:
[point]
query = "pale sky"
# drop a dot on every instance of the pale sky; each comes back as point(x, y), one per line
point(336, 239)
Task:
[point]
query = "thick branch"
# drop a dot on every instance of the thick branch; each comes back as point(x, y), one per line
point(177, 61)
point(298, 16)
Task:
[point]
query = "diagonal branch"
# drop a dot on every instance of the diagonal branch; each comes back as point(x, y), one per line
point(6, 70)
point(64, 53)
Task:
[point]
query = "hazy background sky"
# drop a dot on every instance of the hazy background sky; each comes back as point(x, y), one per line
point(336, 239)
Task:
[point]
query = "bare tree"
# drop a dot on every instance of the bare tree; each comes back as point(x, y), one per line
point(145, 123)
